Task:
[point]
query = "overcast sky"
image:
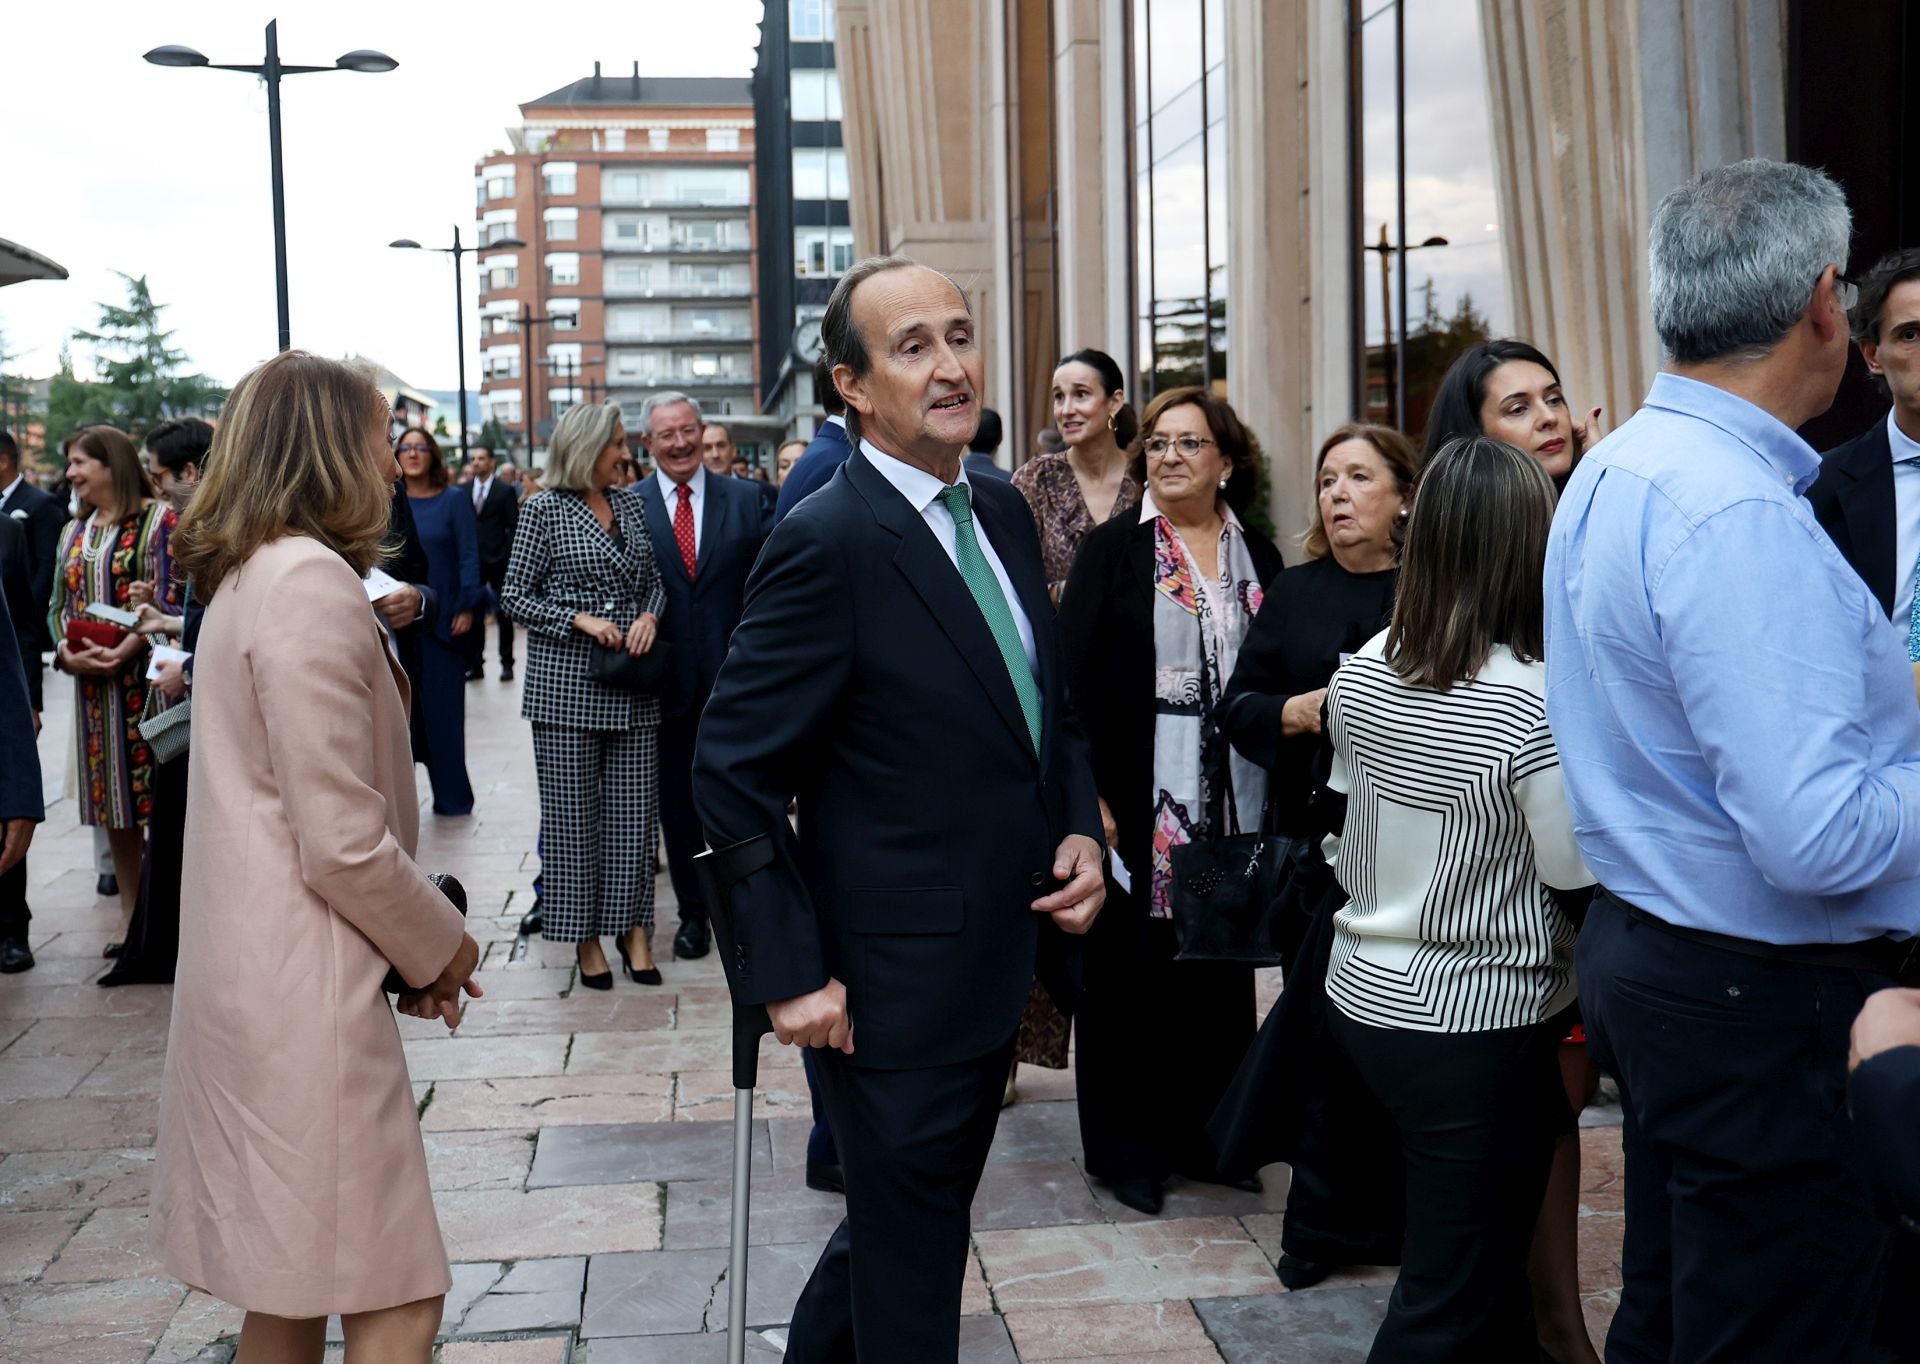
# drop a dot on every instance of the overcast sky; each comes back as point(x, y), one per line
point(113, 164)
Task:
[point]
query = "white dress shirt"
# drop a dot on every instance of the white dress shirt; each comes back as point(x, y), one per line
point(697, 486)
point(480, 487)
point(1906, 518)
point(922, 490)
point(7, 491)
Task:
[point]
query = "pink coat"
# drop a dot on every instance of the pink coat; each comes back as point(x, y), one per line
point(290, 1175)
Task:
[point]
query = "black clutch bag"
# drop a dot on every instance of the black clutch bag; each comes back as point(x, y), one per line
point(648, 674)
point(1225, 897)
point(449, 886)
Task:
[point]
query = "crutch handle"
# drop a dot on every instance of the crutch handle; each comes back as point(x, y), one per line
point(719, 870)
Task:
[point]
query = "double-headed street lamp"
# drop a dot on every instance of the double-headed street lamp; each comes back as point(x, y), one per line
point(460, 306)
point(1396, 371)
point(271, 70)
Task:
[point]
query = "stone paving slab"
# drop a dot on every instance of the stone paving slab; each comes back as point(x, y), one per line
point(76, 1124)
point(487, 1058)
point(1033, 1194)
point(478, 1160)
point(44, 1077)
point(113, 1244)
point(533, 1295)
point(669, 1292)
point(75, 1179)
point(781, 1209)
point(660, 1152)
point(492, 1224)
point(1118, 1331)
point(1144, 1262)
point(548, 1101)
point(30, 1240)
point(532, 1350)
point(1323, 1326)
point(601, 1011)
point(775, 1276)
point(1037, 1132)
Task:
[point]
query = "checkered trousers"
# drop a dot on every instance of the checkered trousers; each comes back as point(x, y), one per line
point(599, 824)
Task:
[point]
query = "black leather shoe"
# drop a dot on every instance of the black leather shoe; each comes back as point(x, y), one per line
point(476, 674)
point(506, 672)
point(533, 920)
point(825, 1178)
point(15, 957)
point(692, 940)
point(1142, 1195)
point(107, 886)
point(1211, 1176)
point(1297, 1273)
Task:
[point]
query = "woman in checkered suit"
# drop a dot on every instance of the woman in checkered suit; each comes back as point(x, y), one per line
point(583, 576)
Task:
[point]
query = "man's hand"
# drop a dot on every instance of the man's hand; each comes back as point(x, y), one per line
point(462, 622)
point(814, 1020)
point(15, 834)
point(1075, 904)
point(402, 608)
point(170, 678)
point(640, 634)
point(442, 998)
point(1889, 1019)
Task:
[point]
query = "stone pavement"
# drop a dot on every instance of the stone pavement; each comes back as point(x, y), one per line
point(579, 1149)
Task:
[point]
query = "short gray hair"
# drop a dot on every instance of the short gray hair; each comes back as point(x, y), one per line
point(577, 442)
point(1735, 253)
point(667, 398)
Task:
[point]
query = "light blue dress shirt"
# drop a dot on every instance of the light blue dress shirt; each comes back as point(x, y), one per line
point(1906, 515)
point(1735, 716)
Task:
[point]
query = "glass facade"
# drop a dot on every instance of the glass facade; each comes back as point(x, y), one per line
point(1179, 165)
point(1432, 283)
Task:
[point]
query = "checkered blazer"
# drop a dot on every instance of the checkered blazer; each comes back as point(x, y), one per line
point(563, 564)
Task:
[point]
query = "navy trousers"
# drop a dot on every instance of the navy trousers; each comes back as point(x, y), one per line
point(1751, 1230)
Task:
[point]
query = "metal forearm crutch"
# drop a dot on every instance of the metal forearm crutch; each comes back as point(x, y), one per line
point(719, 871)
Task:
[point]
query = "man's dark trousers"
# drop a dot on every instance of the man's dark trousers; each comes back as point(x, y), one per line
point(679, 819)
point(912, 1143)
point(495, 577)
point(1751, 1230)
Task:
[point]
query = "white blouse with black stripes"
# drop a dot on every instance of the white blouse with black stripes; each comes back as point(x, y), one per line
point(1456, 825)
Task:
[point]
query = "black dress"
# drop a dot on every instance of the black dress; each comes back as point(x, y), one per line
point(1156, 1041)
point(1297, 1097)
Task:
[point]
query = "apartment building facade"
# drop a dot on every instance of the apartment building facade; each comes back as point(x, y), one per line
point(631, 200)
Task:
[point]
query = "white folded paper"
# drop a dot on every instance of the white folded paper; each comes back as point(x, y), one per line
point(164, 653)
point(380, 583)
point(1121, 876)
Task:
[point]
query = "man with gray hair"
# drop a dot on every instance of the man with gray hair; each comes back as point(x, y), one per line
point(1741, 748)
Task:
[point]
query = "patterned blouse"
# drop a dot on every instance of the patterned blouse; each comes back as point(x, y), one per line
point(1060, 513)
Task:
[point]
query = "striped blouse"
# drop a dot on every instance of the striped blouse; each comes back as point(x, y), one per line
point(1456, 825)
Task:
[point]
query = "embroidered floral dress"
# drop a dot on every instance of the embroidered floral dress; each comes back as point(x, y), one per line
point(100, 565)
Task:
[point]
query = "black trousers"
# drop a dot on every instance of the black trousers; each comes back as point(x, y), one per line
point(1751, 1232)
point(912, 1146)
point(152, 947)
point(495, 577)
point(679, 821)
point(14, 914)
point(1146, 1088)
point(1478, 1114)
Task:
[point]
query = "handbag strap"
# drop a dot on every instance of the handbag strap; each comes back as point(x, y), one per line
point(1213, 750)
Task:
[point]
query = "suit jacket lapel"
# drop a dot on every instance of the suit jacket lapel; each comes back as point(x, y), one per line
point(711, 516)
point(1868, 506)
point(653, 496)
point(933, 576)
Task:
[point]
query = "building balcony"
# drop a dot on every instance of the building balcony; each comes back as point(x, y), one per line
point(682, 380)
point(673, 291)
point(681, 336)
point(611, 199)
point(677, 246)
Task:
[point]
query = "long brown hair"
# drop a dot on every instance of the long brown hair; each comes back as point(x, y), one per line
point(1470, 574)
point(1393, 448)
point(114, 448)
point(436, 471)
point(297, 451)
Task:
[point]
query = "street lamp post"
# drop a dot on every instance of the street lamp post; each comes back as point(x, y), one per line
point(270, 70)
point(1396, 364)
point(459, 308)
point(526, 322)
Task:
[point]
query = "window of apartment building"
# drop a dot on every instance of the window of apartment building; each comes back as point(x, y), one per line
point(723, 139)
point(638, 365)
point(815, 96)
point(562, 177)
point(497, 225)
point(563, 267)
point(565, 313)
point(497, 324)
point(560, 399)
point(503, 405)
point(630, 277)
point(659, 139)
point(717, 322)
point(499, 181)
point(819, 173)
point(811, 20)
point(639, 321)
point(822, 252)
point(563, 224)
point(499, 272)
point(501, 362)
point(616, 139)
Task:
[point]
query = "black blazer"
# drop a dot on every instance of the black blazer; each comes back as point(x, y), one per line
point(498, 516)
point(1106, 642)
point(701, 612)
point(29, 617)
point(1853, 501)
point(864, 680)
point(44, 517)
point(20, 795)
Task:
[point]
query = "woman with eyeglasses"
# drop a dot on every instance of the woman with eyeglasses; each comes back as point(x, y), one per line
point(435, 659)
point(1151, 625)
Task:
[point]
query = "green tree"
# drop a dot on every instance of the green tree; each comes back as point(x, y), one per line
point(440, 427)
point(144, 376)
point(73, 402)
point(494, 437)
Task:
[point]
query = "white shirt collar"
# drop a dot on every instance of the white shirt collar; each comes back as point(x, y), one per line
point(1903, 446)
point(838, 421)
point(7, 491)
point(696, 486)
point(1148, 511)
point(919, 487)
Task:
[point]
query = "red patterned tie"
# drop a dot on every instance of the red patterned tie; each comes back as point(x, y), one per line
point(683, 528)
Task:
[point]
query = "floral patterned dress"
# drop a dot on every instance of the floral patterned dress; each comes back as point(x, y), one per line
point(101, 565)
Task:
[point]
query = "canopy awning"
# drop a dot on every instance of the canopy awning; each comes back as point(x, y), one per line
point(18, 264)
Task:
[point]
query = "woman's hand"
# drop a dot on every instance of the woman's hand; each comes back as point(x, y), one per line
point(89, 660)
point(462, 622)
point(170, 678)
point(154, 621)
point(602, 632)
point(1107, 825)
point(640, 634)
point(122, 653)
point(1589, 431)
point(442, 998)
point(140, 594)
point(1301, 714)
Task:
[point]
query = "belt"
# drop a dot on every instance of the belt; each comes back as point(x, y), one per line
point(1899, 959)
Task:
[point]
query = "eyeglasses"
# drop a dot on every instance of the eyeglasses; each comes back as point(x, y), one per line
point(1156, 446)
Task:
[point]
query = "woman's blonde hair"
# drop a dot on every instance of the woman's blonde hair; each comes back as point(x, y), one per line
point(295, 452)
point(577, 442)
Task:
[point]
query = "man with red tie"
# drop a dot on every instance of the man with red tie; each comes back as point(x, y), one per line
point(707, 532)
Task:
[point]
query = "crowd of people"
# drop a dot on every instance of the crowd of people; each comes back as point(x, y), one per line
point(1536, 755)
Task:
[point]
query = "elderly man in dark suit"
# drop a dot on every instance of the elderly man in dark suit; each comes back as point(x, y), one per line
point(21, 803)
point(895, 670)
point(42, 516)
point(496, 506)
point(707, 530)
point(825, 453)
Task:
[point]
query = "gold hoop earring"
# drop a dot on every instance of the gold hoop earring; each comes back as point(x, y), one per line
point(1113, 421)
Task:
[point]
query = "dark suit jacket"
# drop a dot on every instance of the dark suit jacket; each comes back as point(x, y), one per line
point(982, 466)
point(498, 516)
point(1106, 642)
point(29, 617)
point(46, 517)
point(20, 794)
point(1885, 1092)
point(701, 613)
point(864, 680)
point(824, 455)
point(1853, 501)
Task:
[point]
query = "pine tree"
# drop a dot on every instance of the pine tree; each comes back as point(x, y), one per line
point(144, 376)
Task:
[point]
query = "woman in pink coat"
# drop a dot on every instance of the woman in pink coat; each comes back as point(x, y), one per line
point(290, 1176)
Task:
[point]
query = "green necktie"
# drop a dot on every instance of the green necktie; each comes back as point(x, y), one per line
point(992, 602)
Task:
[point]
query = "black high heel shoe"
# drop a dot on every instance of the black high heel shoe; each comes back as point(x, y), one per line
point(602, 981)
point(650, 976)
